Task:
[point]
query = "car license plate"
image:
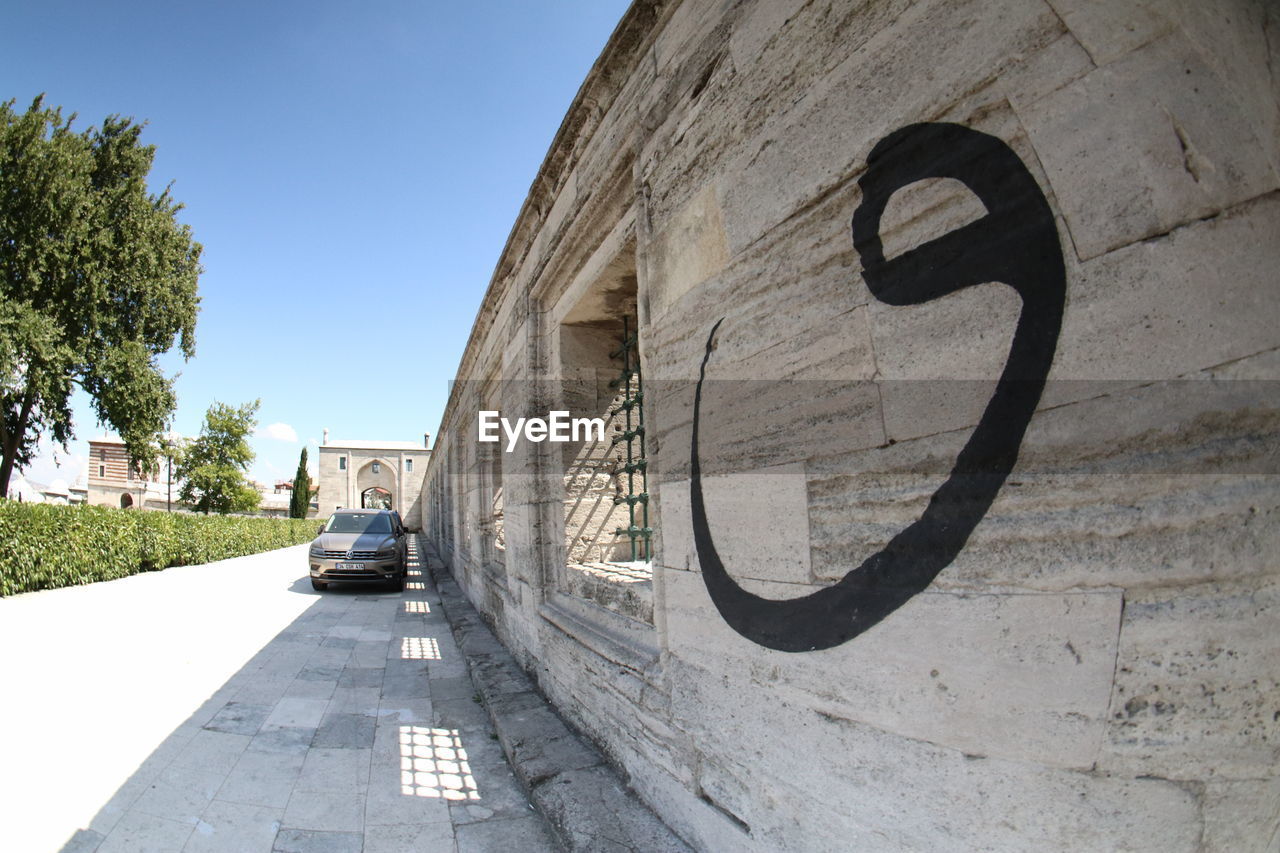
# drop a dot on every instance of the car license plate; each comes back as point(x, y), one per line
point(348, 565)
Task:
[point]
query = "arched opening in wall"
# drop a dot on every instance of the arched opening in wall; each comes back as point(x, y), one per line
point(376, 480)
point(126, 501)
point(375, 498)
point(608, 513)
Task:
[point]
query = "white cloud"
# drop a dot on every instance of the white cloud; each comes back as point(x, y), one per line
point(280, 432)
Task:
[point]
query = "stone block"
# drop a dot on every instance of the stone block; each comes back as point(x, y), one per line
point(1130, 155)
point(689, 250)
point(241, 718)
point(334, 770)
point(813, 145)
point(262, 778)
point(537, 741)
point(180, 792)
point(1237, 39)
point(527, 833)
point(748, 425)
point(407, 838)
point(1023, 677)
point(689, 816)
point(317, 841)
point(296, 713)
point(345, 730)
point(137, 831)
point(1241, 817)
point(1188, 301)
point(1169, 483)
point(939, 361)
point(837, 348)
point(339, 811)
point(1197, 678)
point(869, 784)
point(235, 826)
point(1113, 29)
point(761, 24)
point(1044, 71)
point(763, 527)
point(592, 811)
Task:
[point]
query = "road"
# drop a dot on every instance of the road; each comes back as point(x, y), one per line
point(229, 707)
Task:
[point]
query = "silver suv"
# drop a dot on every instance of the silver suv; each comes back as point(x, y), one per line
point(359, 545)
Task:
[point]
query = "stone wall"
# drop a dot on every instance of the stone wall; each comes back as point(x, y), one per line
point(911, 595)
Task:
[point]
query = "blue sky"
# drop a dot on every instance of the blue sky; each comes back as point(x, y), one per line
point(352, 169)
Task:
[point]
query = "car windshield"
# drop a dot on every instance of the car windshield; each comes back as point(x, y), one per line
point(359, 522)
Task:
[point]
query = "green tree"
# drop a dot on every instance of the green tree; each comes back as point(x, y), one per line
point(300, 503)
point(212, 466)
point(97, 278)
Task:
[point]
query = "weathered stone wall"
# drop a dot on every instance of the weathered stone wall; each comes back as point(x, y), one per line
point(1096, 664)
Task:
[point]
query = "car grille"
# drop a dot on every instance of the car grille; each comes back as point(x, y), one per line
point(355, 555)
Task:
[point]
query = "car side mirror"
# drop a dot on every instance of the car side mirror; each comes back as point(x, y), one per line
point(320, 530)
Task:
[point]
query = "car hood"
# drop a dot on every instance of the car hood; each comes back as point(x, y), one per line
point(354, 541)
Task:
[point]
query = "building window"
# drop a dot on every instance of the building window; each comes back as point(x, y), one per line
point(342, 463)
point(408, 466)
point(377, 469)
point(102, 470)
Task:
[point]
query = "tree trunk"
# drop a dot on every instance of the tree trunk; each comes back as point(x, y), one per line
point(6, 471)
point(9, 443)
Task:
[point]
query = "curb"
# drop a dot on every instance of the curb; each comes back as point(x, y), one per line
point(582, 797)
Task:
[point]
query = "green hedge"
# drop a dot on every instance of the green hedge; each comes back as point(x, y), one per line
point(45, 547)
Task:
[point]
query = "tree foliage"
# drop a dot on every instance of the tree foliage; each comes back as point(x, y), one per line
point(97, 278)
point(300, 503)
point(213, 465)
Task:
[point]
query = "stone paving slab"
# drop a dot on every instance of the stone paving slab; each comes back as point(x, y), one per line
point(349, 724)
point(585, 800)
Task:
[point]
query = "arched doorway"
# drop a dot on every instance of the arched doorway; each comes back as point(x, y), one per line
point(126, 501)
point(375, 498)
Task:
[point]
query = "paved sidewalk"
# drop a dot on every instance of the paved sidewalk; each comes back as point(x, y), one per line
point(356, 728)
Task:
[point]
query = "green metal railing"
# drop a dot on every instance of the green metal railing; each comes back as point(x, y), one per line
point(631, 391)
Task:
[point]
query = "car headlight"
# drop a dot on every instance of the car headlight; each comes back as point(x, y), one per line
point(316, 549)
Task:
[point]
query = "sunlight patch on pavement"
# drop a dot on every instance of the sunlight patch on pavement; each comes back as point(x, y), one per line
point(419, 648)
point(434, 764)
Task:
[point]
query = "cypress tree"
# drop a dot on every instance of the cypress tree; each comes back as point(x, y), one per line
point(300, 503)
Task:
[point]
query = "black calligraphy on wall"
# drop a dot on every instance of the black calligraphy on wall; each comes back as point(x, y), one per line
point(1016, 244)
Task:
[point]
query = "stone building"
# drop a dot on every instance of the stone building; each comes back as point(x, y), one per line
point(114, 480)
point(937, 342)
point(387, 474)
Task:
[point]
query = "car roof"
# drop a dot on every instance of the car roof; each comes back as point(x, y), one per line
point(349, 510)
